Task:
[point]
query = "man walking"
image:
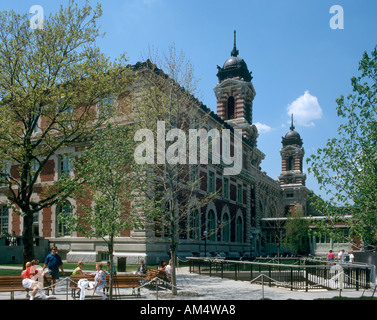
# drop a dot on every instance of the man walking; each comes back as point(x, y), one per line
point(53, 261)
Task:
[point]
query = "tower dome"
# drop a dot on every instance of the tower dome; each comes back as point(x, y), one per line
point(292, 137)
point(234, 67)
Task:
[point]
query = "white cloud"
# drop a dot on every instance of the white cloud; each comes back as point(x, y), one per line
point(262, 128)
point(305, 110)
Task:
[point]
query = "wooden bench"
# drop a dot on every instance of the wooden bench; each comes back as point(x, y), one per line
point(153, 275)
point(14, 283)
point(119, 281)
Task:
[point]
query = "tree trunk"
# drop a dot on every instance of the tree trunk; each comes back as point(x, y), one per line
point(173, 271)
point(27, 237)
point(111, 255)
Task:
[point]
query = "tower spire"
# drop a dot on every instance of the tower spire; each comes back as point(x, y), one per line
point(234, 52)
point(292, 126)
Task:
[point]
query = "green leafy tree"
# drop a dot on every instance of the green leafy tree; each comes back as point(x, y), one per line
point(111, 189)
point(167, 96)
point(50, 82)
point(297, 231)
point(346, 168)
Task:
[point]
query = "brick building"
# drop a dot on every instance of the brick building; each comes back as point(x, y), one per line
point(236, 216)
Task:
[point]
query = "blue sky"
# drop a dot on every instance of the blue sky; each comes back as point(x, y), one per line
point(298, 61)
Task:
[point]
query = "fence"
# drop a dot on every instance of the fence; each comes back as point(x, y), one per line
point(306, 275)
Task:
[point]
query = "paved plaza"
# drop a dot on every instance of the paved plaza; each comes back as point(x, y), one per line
point(200, 287)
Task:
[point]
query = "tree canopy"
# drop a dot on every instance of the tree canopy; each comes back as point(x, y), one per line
point(51, 81)
point(346, 168)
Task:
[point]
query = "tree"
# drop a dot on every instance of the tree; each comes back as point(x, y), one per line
point(164, 102)
point(297, 231)
point(346, 168)
point(51, 79)
point(111, 189)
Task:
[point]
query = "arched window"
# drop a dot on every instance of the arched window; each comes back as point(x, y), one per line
point(194, 225)
point(226, 228)
point(290, 163)
point(239, 230)
point(63, 211)
point(211, 225)
point(230, 108)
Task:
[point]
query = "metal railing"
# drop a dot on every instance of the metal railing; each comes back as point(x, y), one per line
point(307, 275)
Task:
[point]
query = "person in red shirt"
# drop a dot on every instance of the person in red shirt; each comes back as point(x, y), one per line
point(331, 256)
point(31, 282)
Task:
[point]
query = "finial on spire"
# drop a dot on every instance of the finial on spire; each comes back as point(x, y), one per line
point(292, 126)
point(234, 52)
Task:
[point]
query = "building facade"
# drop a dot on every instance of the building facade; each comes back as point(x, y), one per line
point(236, 216)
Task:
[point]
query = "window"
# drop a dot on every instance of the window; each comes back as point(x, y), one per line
point(4, 219)
point(211, 182)
point(194, 225)
point(34, 165)
point(65, 165)
point(226, 228)
point(239, 193)
point(194, 176)
point(239, 230)
point(64, 211)
point(226, 188)
point(34, 122)
point(230, 107)
point(35, 224)
point(290, 163)
point(211, 225)
point(66, 112)
point(106, 108)
point(195, 123)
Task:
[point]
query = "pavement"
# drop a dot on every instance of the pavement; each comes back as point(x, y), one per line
point(196, 287)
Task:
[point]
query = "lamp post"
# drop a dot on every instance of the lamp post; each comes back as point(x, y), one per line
point(205, 232)
point(251, 245)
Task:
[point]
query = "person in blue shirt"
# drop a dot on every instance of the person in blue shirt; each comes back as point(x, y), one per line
point(53, 261)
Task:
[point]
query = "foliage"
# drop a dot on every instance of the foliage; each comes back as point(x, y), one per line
point(50, 82)
point(296, 231)
point(109, 187)
point(111, 190)
point(346, 168)
point(167, 96)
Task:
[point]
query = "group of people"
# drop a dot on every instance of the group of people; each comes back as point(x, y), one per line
point(33, 276)
point(341, 257)
point(165, 267)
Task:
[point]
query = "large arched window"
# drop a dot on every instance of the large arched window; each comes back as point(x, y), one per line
point(63, 211)
point(194, 225)
point(226, 228)
point(211, 225)
point(230, 107)
point(239, 229)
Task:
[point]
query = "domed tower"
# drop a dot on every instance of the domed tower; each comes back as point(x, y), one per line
point(235, 94)
point(292, 179)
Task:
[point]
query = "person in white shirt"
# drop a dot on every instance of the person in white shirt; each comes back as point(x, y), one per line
point(97, 285)
point(168, 269)
point(351, 257)
point(341, 255)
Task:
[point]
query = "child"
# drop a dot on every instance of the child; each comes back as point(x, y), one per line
point(30, 282)
point(27, 265)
